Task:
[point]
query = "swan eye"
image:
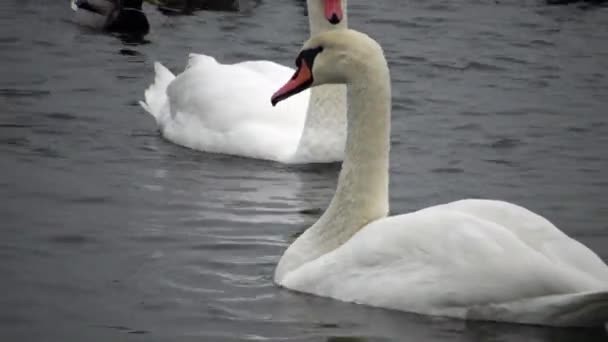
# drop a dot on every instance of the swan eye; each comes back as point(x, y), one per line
point(308, 56)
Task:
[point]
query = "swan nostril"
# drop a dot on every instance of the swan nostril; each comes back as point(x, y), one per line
point(334, 19)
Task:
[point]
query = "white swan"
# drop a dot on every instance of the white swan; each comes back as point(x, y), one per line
point(221, 108)
point(472, 259)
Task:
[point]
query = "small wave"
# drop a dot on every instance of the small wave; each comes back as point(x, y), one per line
point(482, 67)
point(49, 131)
point(14, 125)
point(72, 239)
point(578, 129)
point(505, 143)
point(468, 127)
point(399, 23)
point(60, 116)
point(448, 170)
point(542, 43)
point(472, 113)
point(124, 329)
point(91, 199)
point(23, 93)
point(500, 162)
point(511, 60)
point(47, 152)
point(475, 66)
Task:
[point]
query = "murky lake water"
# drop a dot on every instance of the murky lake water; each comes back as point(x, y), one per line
point(110, 233)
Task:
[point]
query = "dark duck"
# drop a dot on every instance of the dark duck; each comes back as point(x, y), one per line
point(121, 16)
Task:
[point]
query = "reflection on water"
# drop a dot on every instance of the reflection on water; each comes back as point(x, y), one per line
point(110, 233)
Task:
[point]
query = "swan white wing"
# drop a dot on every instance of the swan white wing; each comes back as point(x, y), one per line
point(438, 261)
point(207, 112)
point(267, 69)
point(537, 232)
point(276, 72)
point(156, 101)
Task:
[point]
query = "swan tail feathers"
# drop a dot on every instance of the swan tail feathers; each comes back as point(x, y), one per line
point(588, 309)
point(74, 5)
point(156, 94)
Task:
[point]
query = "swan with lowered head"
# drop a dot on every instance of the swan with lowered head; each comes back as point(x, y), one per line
point(222, 108)
point(470, 259)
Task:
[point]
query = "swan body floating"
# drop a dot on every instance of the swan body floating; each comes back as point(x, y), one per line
point(122, 16)
point(222, 108)
point(470, 259)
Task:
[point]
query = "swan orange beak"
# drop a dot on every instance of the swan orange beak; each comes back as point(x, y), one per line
point(333, 11)
point(300, 81)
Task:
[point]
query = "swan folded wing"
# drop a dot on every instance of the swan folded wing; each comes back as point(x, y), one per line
point(537, 232)
point(200, 60)
point(215, 94)
point(265, 69)
point(276, 72)
point(436, 261)
point(245, 139)
point(207, 112)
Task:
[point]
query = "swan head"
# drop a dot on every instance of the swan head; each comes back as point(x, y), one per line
point(328, 14)
point(332, 57)
point(334, 11)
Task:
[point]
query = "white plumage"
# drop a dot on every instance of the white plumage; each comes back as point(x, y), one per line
point(470, 259)
point(221, 108)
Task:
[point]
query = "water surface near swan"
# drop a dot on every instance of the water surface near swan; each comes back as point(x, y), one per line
point(110, 233)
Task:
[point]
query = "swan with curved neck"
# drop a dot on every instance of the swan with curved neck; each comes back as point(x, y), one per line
point(222, 108)
point(470, 259)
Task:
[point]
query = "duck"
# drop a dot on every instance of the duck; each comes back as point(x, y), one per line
point(120, 16)
point(222, 108)
point(472, 259)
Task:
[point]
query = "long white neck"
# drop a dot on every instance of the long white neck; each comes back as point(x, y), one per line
point(362, 193)
point(324, 133)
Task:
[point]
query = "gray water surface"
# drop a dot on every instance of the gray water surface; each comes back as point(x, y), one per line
point(110, 233)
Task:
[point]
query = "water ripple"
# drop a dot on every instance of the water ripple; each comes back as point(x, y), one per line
point(35, 93)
